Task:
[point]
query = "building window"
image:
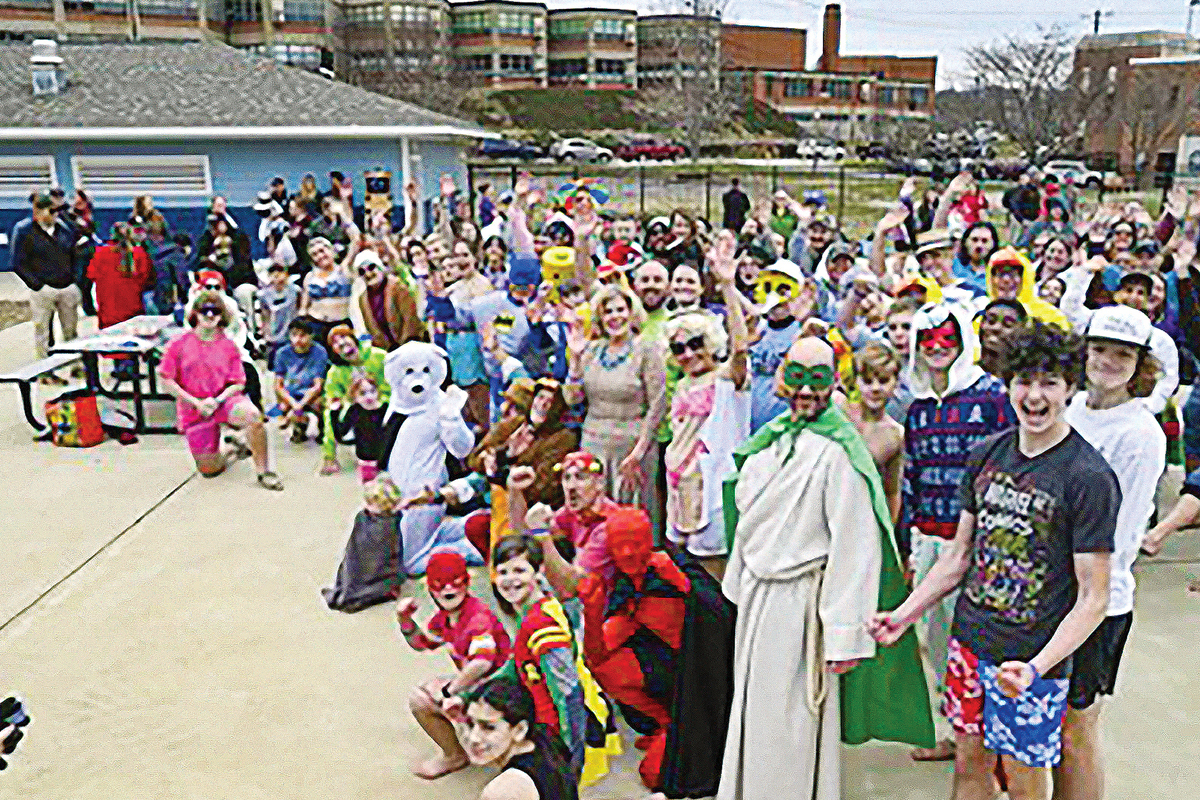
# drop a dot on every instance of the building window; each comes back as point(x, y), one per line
point(887, 95)
point(516, 63)
point(918, 95)
point(797, 87)
point(303, 11)
point(610, 66)
point(22, 175)
point(840, 89)
point(514, 23)
point(609, 29)
point(567, 67)
point(167, 8)
point(471, 22)
point(305, 56)
point(243, 10)
point(126, 176)
point(1085, 79)
point(568, 28)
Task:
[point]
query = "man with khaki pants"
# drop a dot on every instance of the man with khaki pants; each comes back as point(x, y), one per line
point(43, 260)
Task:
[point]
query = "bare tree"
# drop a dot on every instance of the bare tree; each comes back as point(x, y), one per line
point(1023, 86)
point(690, 96)
point(1152, 113)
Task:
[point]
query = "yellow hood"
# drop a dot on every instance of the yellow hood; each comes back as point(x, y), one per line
point(1036, 307)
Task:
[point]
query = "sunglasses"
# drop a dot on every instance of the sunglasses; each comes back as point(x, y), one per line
point(899, 326)
point(798, 376)
point(695, 344)
point(212, 287)
point(365, 271)
point(210, 311)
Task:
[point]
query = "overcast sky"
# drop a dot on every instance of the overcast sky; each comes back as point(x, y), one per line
point(922, 27)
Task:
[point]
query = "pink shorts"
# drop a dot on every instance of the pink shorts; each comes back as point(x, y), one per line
point(204, 435)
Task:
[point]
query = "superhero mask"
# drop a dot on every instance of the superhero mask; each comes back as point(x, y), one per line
point(798, 376)
point(630, 540)
point(447, 578)
point(944, 336)
point(524, 275)
point(558, 267)
point(777, 284)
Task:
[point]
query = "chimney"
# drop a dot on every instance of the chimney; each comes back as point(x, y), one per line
point(831, 38)
point(45, 67)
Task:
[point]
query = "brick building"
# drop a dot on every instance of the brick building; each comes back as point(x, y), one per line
point(846, 96)
point(1136, 94)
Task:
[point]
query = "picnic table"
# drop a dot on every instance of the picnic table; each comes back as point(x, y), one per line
point(140, 339)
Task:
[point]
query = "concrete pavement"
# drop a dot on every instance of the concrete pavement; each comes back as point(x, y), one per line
point(168, 636)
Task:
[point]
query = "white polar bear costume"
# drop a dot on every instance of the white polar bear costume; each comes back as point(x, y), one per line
point(423, 423)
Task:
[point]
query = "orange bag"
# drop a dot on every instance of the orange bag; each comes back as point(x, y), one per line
point(74, 420)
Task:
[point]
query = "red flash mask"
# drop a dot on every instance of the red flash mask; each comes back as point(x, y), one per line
point(445, 568)
point(630, 540)
point(944, 336)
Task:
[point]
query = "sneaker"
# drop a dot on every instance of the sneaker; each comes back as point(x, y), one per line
point(298, 436)
point(314, 426)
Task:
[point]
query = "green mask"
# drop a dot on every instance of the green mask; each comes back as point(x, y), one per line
point(797, 376)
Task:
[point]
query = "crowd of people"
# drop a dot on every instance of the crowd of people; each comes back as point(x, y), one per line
point(717, 473)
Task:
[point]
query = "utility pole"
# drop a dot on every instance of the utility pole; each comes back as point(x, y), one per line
point(1097, 16)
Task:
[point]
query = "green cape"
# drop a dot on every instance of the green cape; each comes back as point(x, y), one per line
point(886, 697)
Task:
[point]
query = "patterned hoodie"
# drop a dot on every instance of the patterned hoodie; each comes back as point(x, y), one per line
point(939, 430)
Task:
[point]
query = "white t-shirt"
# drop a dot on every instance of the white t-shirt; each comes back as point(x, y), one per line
point(1134, 445)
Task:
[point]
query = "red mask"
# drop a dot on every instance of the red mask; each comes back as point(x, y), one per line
point(445, 567)
point(630, 540)
point(582, 459)
point(944, 336)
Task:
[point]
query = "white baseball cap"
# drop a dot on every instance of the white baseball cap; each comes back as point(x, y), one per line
point(1120, 324)
point(368, 257)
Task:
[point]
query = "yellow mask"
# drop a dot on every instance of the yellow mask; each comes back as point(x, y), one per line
point(558, 267)
point(772, 288)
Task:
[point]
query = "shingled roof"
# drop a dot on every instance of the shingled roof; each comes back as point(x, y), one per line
point(197, 85)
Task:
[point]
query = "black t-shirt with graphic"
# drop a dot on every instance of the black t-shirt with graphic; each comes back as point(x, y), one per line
point(1031, 516)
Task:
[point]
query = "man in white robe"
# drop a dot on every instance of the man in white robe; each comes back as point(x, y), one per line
point(804, 572)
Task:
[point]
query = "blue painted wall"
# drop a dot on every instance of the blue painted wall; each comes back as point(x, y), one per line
point(241, 169)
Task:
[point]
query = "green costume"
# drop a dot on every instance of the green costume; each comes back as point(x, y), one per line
point(885, 697)
point(337, 387)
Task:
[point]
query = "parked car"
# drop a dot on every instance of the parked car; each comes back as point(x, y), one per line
point(875, 150)
point(821, 149)
point(505, 148)
point(650, 150)
point(580, 150)
point(1061, 169)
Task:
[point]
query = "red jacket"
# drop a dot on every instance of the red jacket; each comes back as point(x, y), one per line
point(118, 294)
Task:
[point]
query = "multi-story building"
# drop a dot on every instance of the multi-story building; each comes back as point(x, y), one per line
point(1136, 95)
point(673, 48)
point(500, 43)
point(844, 96)
point(593, 48)
point(403, 47)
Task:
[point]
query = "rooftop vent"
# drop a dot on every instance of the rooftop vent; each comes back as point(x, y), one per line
point(45, 66)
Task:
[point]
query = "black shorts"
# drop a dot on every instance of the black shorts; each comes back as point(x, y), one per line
point(1097, 659)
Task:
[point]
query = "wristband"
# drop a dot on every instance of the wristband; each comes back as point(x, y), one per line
point(446, 692)
point(538, 533)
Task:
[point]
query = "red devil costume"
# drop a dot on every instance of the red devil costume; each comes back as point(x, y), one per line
point(639, 647)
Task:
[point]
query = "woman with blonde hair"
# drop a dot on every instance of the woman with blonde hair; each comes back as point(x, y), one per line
point(621, 375)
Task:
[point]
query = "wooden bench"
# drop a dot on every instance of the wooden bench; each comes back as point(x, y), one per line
point(25, 377)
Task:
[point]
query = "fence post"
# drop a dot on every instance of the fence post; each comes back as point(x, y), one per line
point(512, 177)
point(471, 188)
point(708, 194)
point(841, 194)
point(774, 178)
point(641, 190)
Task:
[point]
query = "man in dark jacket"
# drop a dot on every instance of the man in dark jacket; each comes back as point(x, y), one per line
point(1023, 201)
point(43, 259)
point(737, 205)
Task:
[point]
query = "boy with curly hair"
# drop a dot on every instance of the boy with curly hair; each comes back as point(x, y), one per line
point(1031, 554)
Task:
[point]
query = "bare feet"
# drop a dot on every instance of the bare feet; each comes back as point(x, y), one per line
point(330, 466)
point(942, 751)
point(438, 766)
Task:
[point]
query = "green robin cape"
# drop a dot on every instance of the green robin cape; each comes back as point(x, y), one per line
point(885, 697)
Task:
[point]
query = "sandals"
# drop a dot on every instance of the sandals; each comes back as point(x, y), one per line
point(269, 480)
